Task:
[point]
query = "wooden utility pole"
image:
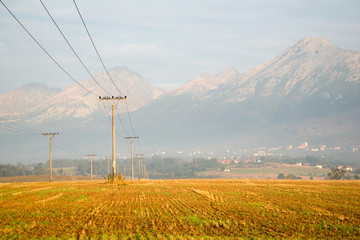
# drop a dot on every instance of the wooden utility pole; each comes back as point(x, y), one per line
point(113, 127)
point(132, 159)
point(144, 168)
point(50, 135)
point(139, 159)
point(91, 156)
point(107, 158)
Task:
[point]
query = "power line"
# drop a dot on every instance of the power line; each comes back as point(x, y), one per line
point(69, 145)
point(61, 146)
point(107, 113)
point(72, 49)
point(12, 129)
point(109, 118)
point(47, 53)
point(18, 127)
point(127, 108)
point(97, 52)
point(118, 115)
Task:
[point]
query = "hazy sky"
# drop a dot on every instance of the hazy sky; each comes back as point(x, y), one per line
point(168, 42)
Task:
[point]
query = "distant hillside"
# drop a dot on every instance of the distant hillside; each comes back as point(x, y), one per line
point(21, 100)
point(310, 92)
point(75, 102)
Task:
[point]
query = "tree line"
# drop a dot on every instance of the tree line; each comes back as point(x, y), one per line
point(156, 167)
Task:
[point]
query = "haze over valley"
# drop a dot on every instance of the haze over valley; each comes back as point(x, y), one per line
point(309, 92)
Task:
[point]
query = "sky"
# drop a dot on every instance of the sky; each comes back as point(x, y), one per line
point(169, 42)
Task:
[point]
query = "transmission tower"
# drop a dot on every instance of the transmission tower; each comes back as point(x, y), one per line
point(117, 99)
point(50, 135)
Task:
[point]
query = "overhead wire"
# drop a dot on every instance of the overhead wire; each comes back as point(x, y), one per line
point(107, 113)
point(128, 112)
point(67, 146)
point(12, 129)
point(18, 127)
point(59, 65)
point(82, 63)
point(97, 52)
point(72, 49)
point(126, 133)
point(60, 145)
point(102, 62)
point(110, 121)
point(70, 145)
point(47, 53)
point(118, 115)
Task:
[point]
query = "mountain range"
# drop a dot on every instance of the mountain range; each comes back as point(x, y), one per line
point(310, 92)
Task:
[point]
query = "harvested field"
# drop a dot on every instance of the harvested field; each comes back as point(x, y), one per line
point(225, 208)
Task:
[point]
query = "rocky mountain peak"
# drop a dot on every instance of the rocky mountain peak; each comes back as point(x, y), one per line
point(119, 69)
point(24, 98)
point(312, 43)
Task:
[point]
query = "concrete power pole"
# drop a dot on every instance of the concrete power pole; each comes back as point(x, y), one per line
point(132, 159)
point(50, 135)
point(139, 159)
point(113, 127)
point(91, 170)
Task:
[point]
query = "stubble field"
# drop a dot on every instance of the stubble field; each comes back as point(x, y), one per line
point(181, 209)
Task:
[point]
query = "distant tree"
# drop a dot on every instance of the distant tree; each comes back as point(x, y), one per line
point(292, 176)
point(40, 169)
point(83, 168)
point(356, 177)
point(347, 177)
point(336, 173)
point(281, 176)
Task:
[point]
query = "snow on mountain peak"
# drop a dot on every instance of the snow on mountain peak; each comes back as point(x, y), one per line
point(204, 83)
point(22, 99)
point(313, 45)
point(197, 86)
point(313, 42)
point(75, 102)
point(298, 72)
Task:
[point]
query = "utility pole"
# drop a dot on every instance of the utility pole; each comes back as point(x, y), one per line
point(132, 160)
point(50, 135)
point(91, 157)
point(113, 127)
point(142, 167)
point(144, 170)
point(139, 159)
point(107, 163)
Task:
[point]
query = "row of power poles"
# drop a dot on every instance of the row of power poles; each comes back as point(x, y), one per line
point(115, 101)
